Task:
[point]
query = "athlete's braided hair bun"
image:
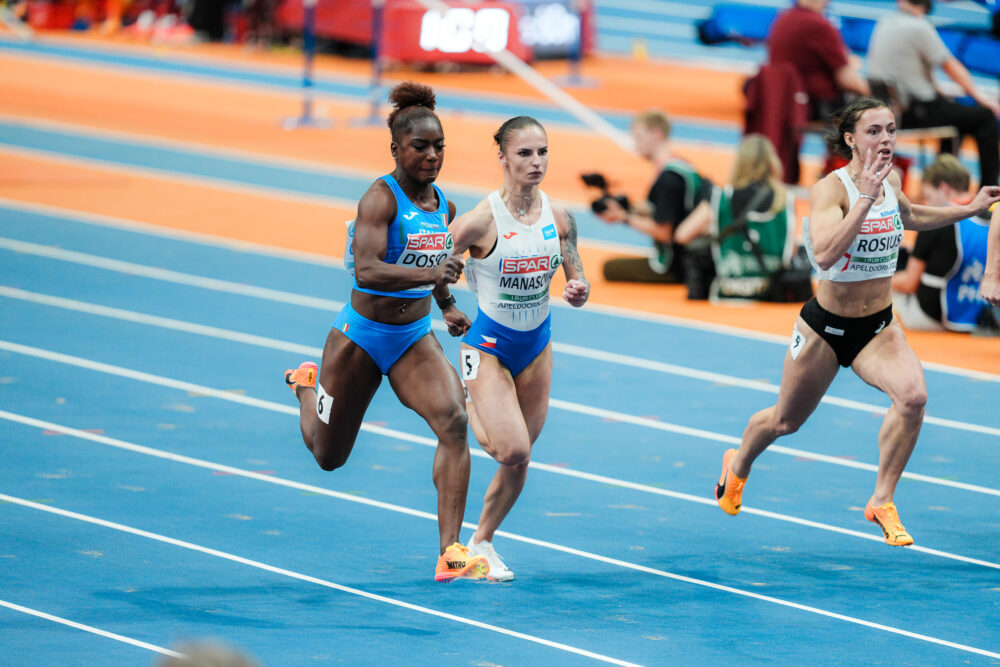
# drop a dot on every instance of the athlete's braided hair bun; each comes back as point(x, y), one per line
point(411, 102)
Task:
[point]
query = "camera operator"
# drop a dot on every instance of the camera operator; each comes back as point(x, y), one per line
point(677, 190)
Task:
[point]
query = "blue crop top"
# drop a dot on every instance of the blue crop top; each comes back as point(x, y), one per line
point(415, 238)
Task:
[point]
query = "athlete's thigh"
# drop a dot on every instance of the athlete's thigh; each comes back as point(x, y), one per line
point(889, 363)
point(494, 397)
point(533, 386)
point(426, 383)
point(348, 379)
point(809, 368)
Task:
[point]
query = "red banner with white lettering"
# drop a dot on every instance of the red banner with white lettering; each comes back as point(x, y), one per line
point(465, 32)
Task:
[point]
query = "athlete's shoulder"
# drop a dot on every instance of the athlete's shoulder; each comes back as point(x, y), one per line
point(563, 214)
point(829, 186)
point(378, 201)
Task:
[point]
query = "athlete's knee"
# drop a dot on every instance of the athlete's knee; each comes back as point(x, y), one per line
point(912, 400)
point(451, 423)
point(513, 456)
point(331, 456)
point(330, 460)
point(782, 425)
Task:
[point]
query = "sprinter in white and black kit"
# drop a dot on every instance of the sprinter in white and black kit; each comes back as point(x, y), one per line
point(858, 214)
point(517, 239)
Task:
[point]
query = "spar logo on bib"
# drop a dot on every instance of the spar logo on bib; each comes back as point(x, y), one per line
point(515, 265)
point(429, 242)
point(882, 225)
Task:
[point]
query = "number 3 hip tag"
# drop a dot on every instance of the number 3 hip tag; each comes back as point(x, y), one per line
point(324, 404)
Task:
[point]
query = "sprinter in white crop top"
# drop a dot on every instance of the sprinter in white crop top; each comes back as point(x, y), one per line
point(517, 240)
point(856, 222)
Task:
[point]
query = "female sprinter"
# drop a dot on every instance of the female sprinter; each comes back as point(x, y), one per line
point(401, 251)
point(516, 240)
point(858, 214)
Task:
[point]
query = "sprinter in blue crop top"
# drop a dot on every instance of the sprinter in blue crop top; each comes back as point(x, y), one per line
point(857, 217)
point(402, 254)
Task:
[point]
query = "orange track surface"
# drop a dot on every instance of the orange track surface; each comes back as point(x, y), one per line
point(239, 118)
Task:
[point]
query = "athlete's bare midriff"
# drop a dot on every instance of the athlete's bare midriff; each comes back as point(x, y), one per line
point(390, 309)
point(855, 299)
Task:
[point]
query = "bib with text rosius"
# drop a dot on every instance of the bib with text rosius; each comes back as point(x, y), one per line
point(875, 249)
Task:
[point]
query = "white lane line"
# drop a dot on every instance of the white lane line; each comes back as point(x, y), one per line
point(157, 321)
point(264, 160)
point(553, 402)
point(316, 352)
point(314, 580)
point(91, 629)
point(568, 550)
point(166, 275)
point(243, 246)
point(151, 229)
point(600, 479)
point(203, 182)
point(326, 305)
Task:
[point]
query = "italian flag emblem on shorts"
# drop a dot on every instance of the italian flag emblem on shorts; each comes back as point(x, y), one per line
point(347, 325)
point(489, 342)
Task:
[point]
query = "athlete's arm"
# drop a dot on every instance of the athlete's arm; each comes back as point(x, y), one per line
point(457, 321)
point(471, 230)
point(991, 279)
point(376, 210)
point(577, 287)
point(931, 217)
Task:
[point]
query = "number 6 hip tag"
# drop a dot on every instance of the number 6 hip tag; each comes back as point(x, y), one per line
point(324, 403)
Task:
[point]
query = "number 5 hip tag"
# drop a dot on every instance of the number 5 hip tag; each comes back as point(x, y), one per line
point(470, 364)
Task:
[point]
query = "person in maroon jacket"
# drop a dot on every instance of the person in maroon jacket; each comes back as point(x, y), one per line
point(805, 39)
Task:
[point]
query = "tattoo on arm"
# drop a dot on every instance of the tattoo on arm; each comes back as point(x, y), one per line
point(570, 255)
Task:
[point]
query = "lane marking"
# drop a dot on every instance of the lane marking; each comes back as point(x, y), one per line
point(220, 468)
point(553, 402)
point(568, 550)
point(150, 229)
point(263, 160)
point(613, 311)
point(563, 348)
point(315, 580)
point(91, 629)
point(204, 182)
point(279, 296)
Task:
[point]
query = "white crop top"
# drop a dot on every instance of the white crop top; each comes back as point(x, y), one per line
point(512, 282)
point(875, 249)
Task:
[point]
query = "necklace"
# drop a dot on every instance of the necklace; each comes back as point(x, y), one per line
point(523, 211)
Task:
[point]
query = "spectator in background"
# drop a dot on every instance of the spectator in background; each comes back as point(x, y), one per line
point(805, 39)
point(904, 51)
point(939, 288)
point(677, 190)
point(749, 222)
